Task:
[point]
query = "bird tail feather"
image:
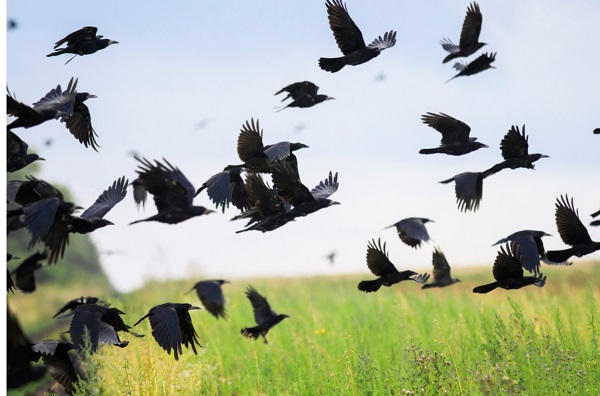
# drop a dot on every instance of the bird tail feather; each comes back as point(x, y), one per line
point(485, 288)
point(251, 332)
point(558, 256)
point(331, 64)
point(369, 286)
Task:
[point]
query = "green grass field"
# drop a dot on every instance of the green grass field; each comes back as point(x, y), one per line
point(400, 340)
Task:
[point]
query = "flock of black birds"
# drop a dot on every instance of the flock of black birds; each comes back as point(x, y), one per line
point(42, 210)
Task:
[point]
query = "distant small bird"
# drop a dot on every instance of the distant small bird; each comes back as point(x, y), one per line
point(455, 135)
point(173, 192)
point(17, 157)
point(24, 277)
point(380, 265)
point(350, 40)
point(480, 64)
point(469, 35)
point(227, 187)
point(81, 42)
point(572, 232)
point(172, 327)
point(100, 323)
point(412, 231)
point(11, 24)
point(55, 355)
point(258, 157)
point(331, 257)
point(508, 272)
point(515, 151)
point(441, 271)
point(71, 305)
point(597, 131)
point(264, 316)
point(303, 94)
point(210, 294)
point(530, 248)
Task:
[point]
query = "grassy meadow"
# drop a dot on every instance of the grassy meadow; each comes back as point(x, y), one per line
point(400, 340)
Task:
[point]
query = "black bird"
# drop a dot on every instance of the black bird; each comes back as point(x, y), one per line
point(531, 249)
point(49, 219)
point(597, 131)
point(81, 42)
point(595, 222)
point(71, 305)
point(572, 232)
point(350, 40)
point(266, 213)
point(303, 94)
point(140, 194)
point(469, 35)
point(65, 105)
point(441, 271)
point(16, 153)
point(18, 355)
point(468, 189)
point(227, 187)
point(508, 272)
point(80, 122)
point(172, 327)
point(24, 278)
point(101, 323)
point(173, 192)
point(412, 231)
point(10, 285)
point(55, 104)
point(455, 135)
point(480, 64)
point(515, 151)
point(93, 217)
point(264, 316)
point(55, 355)
point(380, 265)
point(210, 294)
point(258, 157)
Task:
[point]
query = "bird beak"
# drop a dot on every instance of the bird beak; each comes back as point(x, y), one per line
point(545, 156)
point(334, 203)
point(194, 307)
point(329, 98)
point(112, 42)
point(90, 96)
point(41, 159)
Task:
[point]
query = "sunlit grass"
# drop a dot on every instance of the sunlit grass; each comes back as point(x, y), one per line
point(400, 340)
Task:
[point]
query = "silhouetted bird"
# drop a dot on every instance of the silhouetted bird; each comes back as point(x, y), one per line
point(67, 106)
point(173, 192)
point(380, 265)
point(140, 194)
point(468, 189)
point(101, 323)
point(441, 271)
point(80, 122)
point(264, 316)
point(480, 64)
point(572, 232)
point(530, 248)
point(412, 231)
point(172, 327)
point(93, 217)
point(515, 151)
point(508, 273)
point(71, 305)
point(303, 94)
point(290, 188)
point(81, 42)
point(55, 104)
point(24, 278)
point(16, 153)
point(331, 257)
point(11, 24)
point(18, 355)
point(469, 35)
point(55, 355)
point(266, 214)
point(210, 294)
point(258, 157)
point(10, 285)
point(597, 131)
point(350, 40)
point(49, 219)
point(455, 135)
point(227, 187)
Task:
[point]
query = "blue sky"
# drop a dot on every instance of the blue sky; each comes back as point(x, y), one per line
point(181, 63)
